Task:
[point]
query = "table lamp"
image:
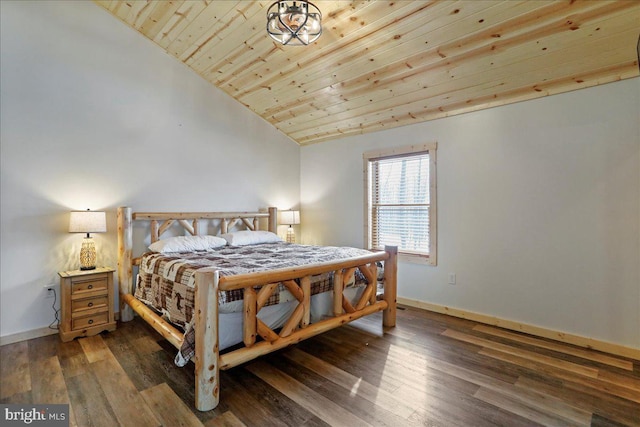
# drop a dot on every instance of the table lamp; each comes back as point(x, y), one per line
point(290, 218)
point(87, 222)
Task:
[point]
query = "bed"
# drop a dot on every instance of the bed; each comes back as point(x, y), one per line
point(267, 302)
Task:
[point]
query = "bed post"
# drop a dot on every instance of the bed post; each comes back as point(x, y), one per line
point(390, 286)
point(125, 247)
point(273, 220)
point(207, 348)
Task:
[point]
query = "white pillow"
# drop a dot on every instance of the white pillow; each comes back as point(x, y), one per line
point(248, 237)
point(187, 244)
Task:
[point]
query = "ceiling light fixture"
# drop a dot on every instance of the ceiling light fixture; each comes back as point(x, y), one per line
point(294, 25)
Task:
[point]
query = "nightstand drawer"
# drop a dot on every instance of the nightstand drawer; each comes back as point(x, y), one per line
point(85, 322)
point(90, 304)
point(93, 285)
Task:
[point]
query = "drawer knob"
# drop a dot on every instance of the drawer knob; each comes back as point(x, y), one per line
point(90, 286)
point(90, 304)
point(90, 321)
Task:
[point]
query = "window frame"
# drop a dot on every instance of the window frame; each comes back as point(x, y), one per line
point(370, 156)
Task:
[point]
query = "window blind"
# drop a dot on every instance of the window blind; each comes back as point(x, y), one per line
point(400, 202)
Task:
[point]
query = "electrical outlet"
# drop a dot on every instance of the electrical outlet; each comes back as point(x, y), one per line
point(50, 290)
point(452, 278)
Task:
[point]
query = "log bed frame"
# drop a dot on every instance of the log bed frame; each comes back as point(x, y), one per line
point(208, 360)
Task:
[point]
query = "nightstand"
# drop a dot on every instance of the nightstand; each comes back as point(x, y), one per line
point(86, 302)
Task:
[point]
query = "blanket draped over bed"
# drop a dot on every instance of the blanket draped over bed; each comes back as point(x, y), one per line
point(166, 282)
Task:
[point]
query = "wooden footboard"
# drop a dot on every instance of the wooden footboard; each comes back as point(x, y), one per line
point(257, 288)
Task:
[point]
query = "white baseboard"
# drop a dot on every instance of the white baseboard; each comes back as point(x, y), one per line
point(34, 333)
point(27, 335)
point(617, 349)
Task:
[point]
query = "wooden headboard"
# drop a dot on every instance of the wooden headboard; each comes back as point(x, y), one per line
point(161, 221)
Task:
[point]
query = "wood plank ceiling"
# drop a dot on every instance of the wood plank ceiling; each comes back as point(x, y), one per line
point(382, 64)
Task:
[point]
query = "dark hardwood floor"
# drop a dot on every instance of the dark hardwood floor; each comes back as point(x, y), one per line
point(431, 370)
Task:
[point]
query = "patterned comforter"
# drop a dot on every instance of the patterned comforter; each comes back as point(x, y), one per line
point(166, 282)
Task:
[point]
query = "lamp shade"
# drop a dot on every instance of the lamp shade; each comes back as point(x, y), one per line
point(87, 222)
point(290, 217)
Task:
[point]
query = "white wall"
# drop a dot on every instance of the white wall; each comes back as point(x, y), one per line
point(96, 116)
point(538, 210)
point(539, 202)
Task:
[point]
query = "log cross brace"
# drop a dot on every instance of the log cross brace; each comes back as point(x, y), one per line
point(158, 229)
point(343, 277)
point(227, 224)
point(254, 301)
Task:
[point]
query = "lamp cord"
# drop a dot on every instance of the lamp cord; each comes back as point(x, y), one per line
point(56, 312)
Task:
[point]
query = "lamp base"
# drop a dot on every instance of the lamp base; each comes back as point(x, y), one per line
point(88, 254)
point(291, 235)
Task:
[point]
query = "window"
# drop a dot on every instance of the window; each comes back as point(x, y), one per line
point(401, 201)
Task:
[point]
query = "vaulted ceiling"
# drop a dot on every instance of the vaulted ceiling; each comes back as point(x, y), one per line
point(382, 64)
